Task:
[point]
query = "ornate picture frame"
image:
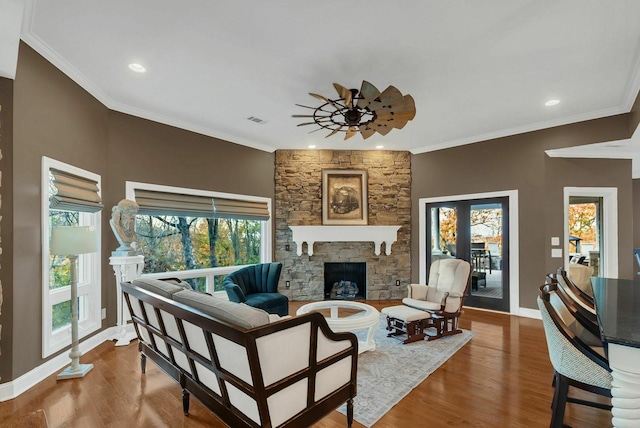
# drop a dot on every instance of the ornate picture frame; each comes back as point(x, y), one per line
point(344, 197)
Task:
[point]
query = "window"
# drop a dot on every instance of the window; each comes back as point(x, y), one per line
point(70, 197)
point(198, 235)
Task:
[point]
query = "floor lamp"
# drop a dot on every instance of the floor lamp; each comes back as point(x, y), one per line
point(70, 241)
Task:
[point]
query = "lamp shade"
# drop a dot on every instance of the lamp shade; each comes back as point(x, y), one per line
point(73, 240)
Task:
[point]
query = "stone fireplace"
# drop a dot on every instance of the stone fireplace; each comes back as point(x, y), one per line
point(298, 202)
point(345, 281)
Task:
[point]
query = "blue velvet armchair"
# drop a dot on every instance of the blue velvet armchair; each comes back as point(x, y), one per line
point(257, 286)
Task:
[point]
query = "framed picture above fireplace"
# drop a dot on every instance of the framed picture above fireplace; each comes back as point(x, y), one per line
point(344, 196)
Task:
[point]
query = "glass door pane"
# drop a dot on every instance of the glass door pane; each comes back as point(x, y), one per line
point(486, 250)
point(444, 232)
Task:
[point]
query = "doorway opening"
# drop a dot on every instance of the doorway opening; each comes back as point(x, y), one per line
point(590, 229)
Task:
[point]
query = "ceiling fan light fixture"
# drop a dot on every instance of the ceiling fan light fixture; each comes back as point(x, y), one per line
point(365, 111)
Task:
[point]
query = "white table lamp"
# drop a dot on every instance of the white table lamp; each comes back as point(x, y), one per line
point(70, 241)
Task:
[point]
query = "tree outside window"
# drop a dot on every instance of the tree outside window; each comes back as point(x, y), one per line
point(171, 243)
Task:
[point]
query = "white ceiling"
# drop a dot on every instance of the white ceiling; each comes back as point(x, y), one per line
point(476, 70)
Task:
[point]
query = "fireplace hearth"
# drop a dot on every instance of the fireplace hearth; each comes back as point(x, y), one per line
point(345, 281)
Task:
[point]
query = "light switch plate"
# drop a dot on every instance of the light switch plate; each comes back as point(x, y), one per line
point(556, 253)
point(555, 240)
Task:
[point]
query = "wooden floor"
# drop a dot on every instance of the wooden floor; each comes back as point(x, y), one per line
point(501, 378)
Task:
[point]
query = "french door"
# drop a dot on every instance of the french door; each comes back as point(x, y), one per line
point(476, 231)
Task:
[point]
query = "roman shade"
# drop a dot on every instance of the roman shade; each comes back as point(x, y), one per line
point(71, 192)
point(245, 210)
point(152, 202)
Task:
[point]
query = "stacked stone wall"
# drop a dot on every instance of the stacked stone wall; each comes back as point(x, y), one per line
point(298, 202)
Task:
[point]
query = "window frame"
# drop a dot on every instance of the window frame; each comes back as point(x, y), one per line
point(265, 230)
point(89, 270)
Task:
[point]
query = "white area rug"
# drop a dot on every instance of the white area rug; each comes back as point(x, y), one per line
point(390, 372)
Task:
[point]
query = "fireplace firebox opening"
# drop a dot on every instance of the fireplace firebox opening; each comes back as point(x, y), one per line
point(345, 281)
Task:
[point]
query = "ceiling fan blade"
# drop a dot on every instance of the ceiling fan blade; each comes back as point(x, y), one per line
point(307, 115)
point(391, 96)
point(351, 132)
point(320, 97)
point(316, 130)
point(368, 94)
point(396, 110)
point(409, 105)
point(381, 128)
point(306, 123)
point(406, 106)
point(326, 101)
point(344, 94)
point(312, 108)
point(366, 131)
point(334, 132)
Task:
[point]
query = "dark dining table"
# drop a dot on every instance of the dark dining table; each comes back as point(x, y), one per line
point(617, 303)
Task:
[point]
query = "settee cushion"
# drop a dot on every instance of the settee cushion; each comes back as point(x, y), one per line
point(161, 287)
point(235, 313)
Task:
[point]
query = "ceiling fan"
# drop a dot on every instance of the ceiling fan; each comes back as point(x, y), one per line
point(366, 111)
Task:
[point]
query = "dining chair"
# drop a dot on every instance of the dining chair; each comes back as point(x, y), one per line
point(581, 295)
point(574, 363)
point(580, 321)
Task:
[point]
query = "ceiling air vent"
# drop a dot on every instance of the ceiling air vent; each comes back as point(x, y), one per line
point(255, 119)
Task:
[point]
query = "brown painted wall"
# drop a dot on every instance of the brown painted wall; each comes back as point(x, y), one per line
point(519, 162)
point(149, 152)
point(54, 117)
point(6, 227)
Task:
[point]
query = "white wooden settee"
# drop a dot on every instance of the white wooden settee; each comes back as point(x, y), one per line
point(248, 369)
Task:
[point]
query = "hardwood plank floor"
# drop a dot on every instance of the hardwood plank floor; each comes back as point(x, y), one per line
point(501, 378)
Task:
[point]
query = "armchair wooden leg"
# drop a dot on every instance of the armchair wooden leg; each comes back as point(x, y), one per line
point(185, 401)
point(143, 363)
point(438, 322)
point(349, 412)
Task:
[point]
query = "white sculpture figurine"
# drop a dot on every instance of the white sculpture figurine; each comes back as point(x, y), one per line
point(123, 224)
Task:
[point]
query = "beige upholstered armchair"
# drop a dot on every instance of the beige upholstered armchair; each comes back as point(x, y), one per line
point(444, 294)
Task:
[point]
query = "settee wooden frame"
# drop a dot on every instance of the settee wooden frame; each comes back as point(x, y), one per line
point(221, 405)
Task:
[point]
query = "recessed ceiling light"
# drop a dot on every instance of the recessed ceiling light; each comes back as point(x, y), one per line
point(379, 146)
point(311, 146)
point(137, 68)
point(552, 103)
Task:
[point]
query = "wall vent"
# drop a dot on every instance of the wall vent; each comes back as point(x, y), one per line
point(255, 119)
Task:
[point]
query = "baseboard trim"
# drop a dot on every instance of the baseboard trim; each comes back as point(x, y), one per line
point(521, 312)
point(12, 389)
point(530, 313)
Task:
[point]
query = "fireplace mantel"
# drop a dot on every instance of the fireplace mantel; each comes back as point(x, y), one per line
point(375, 234)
